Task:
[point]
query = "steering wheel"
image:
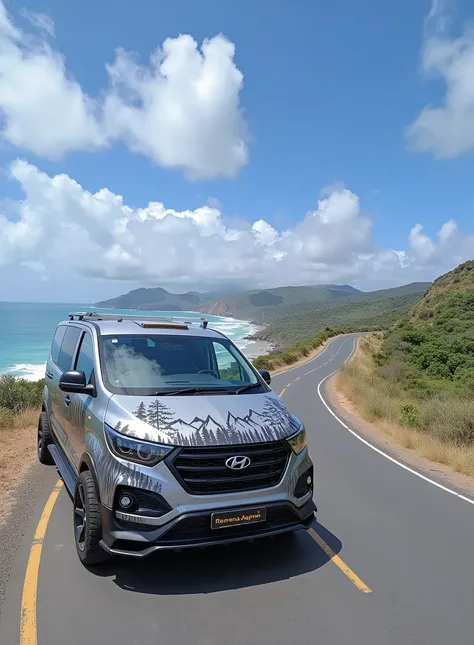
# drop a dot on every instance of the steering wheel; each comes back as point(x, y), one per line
point(211, 372)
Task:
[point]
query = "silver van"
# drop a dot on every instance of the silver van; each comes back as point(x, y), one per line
point(167, 438)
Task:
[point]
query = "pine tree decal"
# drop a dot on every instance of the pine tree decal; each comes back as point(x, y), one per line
point(206, 437)
point(140, 412)
point(158, 414)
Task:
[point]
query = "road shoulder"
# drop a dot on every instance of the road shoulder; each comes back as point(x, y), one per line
point(347, 412)
point(17, 532)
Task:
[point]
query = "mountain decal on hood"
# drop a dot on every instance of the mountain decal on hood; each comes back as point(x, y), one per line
point(272, 423)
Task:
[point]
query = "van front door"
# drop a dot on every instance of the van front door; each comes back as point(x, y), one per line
point(80, 408)
point(63, 429)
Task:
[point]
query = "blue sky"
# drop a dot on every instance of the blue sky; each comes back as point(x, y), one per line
point(329, 90)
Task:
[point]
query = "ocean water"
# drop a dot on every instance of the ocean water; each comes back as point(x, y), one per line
point(26, 331)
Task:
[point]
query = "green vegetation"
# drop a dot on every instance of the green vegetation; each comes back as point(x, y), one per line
point(420, 375)
point(265, 306)
point(17, 396)
point(368, 311)
point(431, 350)
point(295, 353)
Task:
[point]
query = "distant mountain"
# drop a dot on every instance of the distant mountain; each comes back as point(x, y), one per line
point(289, 313)
point(342, 287)
point(262, 305)
point(155, 298)
point(247, 305)
point(372, 310)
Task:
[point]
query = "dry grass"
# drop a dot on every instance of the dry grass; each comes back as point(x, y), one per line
point(439, 429)
point(17, 453)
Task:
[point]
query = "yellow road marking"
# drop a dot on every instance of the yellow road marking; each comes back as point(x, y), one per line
point(283, 391)
point(353, 577)
point(28, 630)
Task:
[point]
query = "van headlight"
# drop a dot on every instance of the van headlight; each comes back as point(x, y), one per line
point(298, 441)
point(140, 452)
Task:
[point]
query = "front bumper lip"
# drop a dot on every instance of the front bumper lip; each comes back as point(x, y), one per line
point(137, 543)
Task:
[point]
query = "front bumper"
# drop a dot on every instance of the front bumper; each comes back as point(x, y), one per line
point(193, 529)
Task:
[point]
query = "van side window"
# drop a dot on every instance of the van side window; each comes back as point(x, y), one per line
point(56, 346)
point(67, 348)
point(85, 357)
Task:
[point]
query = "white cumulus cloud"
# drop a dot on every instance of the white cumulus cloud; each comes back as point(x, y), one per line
point(447, 130)
point(182, 110)
point(61, 224)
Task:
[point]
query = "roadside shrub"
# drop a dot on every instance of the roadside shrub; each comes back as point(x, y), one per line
point(296, 352)
point(18, 394)
point(409, 416)
point(6, 418)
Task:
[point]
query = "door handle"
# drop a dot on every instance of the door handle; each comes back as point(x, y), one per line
point(49, 374)
point(67, 399)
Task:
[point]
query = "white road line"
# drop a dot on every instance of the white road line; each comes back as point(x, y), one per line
point(380, 452)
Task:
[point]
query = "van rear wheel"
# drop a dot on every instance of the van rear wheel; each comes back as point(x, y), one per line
point(87, 522)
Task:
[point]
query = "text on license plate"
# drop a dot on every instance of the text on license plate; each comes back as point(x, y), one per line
point(238, 517)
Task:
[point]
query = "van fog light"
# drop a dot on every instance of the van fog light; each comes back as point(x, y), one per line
point(304, 485)
point(126, 501)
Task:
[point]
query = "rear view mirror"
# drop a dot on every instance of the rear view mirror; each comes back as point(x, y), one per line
point(75, 381)
point(265, 374)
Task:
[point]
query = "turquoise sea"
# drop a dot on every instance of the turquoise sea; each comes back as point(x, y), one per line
point(26, 331)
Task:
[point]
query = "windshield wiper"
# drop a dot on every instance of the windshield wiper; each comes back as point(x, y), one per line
point(250, 386)
point(192, 390)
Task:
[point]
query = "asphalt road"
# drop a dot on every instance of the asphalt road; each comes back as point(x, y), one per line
point(392, 533)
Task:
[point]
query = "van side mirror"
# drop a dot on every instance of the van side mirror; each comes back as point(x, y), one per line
point(265, 374)
point(75, 381)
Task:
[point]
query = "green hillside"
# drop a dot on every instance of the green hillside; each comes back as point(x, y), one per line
point(263, 306)
point(152, 299)
point(418, 380)
point(434, 342)
point(375, 310)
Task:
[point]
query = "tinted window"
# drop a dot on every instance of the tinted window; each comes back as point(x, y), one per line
point(85, 357)
point(57, 340)
point(67, 348)
point(160, 363)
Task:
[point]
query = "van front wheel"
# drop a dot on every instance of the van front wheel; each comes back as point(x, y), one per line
point(44, 438)
point(87, 523)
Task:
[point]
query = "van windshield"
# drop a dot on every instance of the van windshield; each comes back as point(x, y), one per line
point(163, 363)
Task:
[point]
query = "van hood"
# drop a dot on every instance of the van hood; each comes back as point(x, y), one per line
point(213, 420)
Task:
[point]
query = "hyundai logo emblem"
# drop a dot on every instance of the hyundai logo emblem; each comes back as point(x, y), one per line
point(238, 463)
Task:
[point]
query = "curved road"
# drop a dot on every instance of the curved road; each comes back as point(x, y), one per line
point(390, 562)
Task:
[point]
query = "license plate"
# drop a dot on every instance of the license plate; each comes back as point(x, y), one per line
point(238, 517)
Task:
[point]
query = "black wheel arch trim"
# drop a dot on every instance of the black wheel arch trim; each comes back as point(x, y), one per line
point(89, 462)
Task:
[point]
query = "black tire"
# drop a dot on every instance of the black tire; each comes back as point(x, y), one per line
point(44, 439)
point(86, 521)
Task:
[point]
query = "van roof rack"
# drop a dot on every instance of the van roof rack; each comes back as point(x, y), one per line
point(171, 322)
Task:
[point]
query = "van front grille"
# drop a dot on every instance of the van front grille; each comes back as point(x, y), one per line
point(203, 471)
